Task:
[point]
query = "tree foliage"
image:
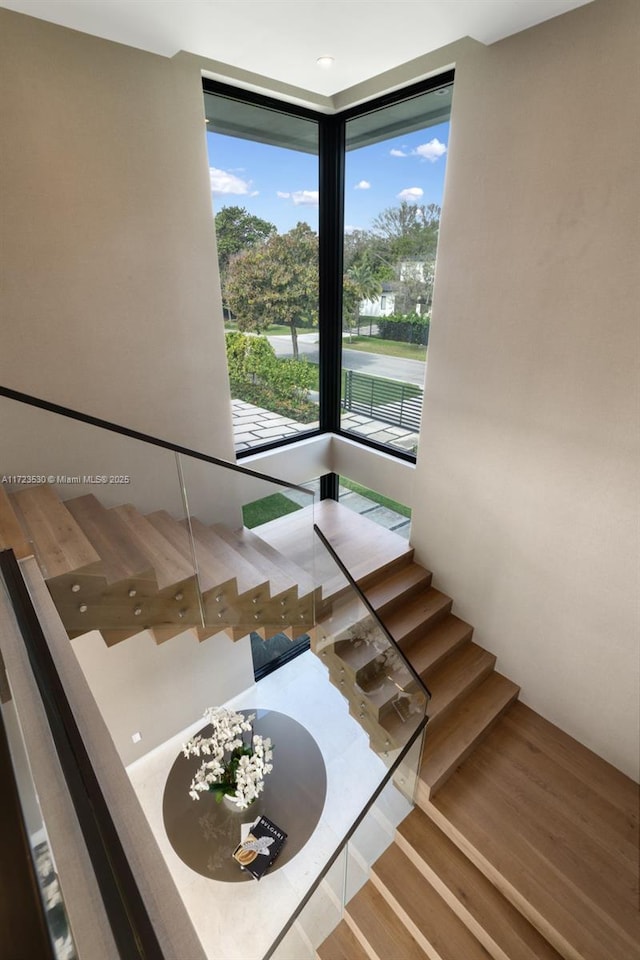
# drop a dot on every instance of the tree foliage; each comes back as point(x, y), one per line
point(276, 283)
point(360, 283)
point(237, 230)
point(258, 376)
point(408, 231)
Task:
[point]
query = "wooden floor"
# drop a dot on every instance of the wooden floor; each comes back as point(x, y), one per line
point(525, 844)
point(556, 828)
point(363, 547)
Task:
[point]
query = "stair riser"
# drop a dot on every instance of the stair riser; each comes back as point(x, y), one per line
point(415, 932)
point(426, 657)
point(403, 596)
point(452, 900)
point(421, 629)
point(425, 791)
point(360, 936)
point(563, 947)
point(445, 711)
point(386, 570)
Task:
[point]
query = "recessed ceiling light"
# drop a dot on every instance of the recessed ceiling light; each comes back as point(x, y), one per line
point(325, 61)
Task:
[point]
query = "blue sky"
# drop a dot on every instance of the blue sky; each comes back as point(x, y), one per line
point(282, 185)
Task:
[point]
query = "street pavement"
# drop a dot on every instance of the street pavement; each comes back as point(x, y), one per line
point(389, 368)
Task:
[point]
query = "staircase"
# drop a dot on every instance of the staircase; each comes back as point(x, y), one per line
point(523, 844)
point(119, 572)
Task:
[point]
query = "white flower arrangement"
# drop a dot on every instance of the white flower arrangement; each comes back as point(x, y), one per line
point(236, 769)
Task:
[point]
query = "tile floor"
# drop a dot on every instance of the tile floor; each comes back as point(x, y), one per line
point(219, 910)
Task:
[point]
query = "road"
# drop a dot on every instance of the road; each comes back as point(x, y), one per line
point(391, 368)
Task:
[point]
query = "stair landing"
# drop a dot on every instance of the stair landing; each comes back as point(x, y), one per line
point(555, 828)
point(364, 547)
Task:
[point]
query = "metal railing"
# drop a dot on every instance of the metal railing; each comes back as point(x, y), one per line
point(389, 401)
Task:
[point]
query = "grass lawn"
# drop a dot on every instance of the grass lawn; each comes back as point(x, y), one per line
point(261, 511)
point(376, 497)
point(386, 348)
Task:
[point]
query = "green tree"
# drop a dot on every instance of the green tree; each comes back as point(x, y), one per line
point(408, 231)
point(365, 284)
point(407, 237)
point(238, 230)
point(276, 282)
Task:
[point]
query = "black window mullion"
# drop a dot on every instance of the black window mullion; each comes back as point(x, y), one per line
point(331, 227)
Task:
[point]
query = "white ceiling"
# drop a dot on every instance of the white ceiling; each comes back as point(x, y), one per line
point(282, 39)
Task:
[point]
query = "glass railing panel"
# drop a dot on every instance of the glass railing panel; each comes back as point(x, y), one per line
point(90, 502)
point(253, 545)
point(341, 716)
point(44, 866)
point(383, 692)
point(320, 915)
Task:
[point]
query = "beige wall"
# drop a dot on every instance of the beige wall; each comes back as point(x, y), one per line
point(524, 495)
point(157, 690)
point(526, 487)
point(110, 300)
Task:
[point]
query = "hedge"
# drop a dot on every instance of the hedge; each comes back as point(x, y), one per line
point(404, 328)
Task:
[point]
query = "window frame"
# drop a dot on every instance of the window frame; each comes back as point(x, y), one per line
point(331, 187)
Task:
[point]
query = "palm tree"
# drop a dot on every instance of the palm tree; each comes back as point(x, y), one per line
point(365, 285)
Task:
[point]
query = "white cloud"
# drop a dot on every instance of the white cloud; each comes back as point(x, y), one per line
point(349, 229)
point(307, 198)
point(411, 194)
point(363, 185)
point(222, 181)
point(431, 151)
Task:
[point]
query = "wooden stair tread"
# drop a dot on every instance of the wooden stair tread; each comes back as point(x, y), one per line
point(564, 789)
point(470, 720)
point(600, 776)
point(366, 549)
point(426, 652)
point(169, 565)
point(417, 616)
point(279, 582)
point(460, 672)
point(120, 558)
point(341, 944)
point(502, 929)
point(428, 918)
point(297, 574)
point(374, 922)
point(61, 546)
point(211, 572)
point(247, 576)
point(541, 838)
point(12, 536)
point(397, 587)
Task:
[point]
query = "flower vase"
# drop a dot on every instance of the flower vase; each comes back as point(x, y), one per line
point(230, 803)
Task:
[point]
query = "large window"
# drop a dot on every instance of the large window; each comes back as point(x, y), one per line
point(394, 178)
point(284, 181)
point(264, 183)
